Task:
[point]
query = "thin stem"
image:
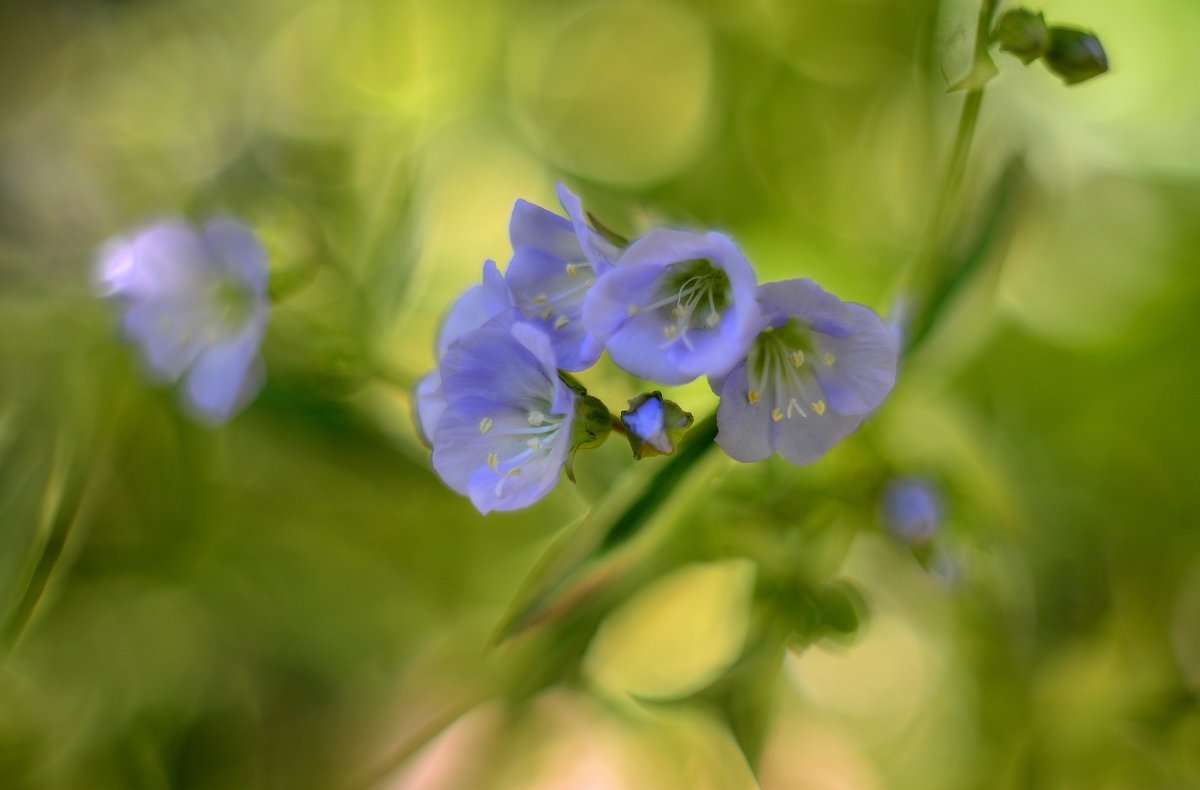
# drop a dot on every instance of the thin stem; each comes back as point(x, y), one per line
point(925, 274)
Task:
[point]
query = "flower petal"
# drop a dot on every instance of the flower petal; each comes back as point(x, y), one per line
point(743, 428)
point(599, 250)
point(225, 376)
point(533, 227)
point(475, 307)
point(238, 251)
point(550, 297)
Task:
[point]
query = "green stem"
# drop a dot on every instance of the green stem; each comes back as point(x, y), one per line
point(925, 275)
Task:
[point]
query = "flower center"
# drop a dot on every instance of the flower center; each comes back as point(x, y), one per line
point(780, 364)
point(692, 295)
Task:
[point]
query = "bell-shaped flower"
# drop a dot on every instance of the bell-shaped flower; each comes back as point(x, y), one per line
point(194, 301)
point(556, 260)
point(676, 306)
point(506, 429)
point(474, 308)
point(816, 369)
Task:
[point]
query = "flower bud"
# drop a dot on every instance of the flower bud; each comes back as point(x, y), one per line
point(911, 509)
point(1024, 34)
point(591, 427)
point(654, 426)
point(1074, 55)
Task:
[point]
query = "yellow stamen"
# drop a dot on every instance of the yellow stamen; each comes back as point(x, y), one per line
point(534, 443)
point(561, 321)
point(818, 407)
point(633, 309)
point(572, 269)
point(671, 331)
point(752, 396)
point(536, 418)
point(776, 415)
point(798, 358)
point(493, 460)
point(828, 358)
point(712, 319)
point(486, 424)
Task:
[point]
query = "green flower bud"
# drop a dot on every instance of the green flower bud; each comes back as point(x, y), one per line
point(1075, 55)
point(654, 426)
point(1024, 34)
point(593, 423)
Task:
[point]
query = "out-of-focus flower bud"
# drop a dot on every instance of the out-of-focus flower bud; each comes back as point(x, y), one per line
point(1024, 34)
point(1074, 55)
point(911, 509)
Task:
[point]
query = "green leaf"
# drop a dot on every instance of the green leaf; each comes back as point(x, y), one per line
point(676, 636)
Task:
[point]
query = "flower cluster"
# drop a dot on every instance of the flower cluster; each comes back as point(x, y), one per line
point(796, 368)
point(194, 302)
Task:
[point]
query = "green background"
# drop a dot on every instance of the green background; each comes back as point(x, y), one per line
point(287, 601)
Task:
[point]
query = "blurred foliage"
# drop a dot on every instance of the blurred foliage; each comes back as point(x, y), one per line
point(296, 601)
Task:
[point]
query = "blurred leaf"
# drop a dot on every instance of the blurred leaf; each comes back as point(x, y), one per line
point(562, 571)
point(677, 635)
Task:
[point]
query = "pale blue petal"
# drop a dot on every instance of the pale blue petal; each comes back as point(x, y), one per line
point(743, 428)
point(533, 227)
point(239, 252)
point(511, 364)
point(548, 296)
point(599, 250)
point(429, 403)
point(225, 377)
point(474, 308)
point(859, 370)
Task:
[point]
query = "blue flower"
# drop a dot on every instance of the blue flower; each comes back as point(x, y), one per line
point(478, 305)
point(911, 509)
point(505, 432)
point(816, 369)
point(195, 303)
point(676, 306)
point(555, 262)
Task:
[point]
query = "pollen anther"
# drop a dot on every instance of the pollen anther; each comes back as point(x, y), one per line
point(818, 407)
point(828, 358)
point(798, 358)
point(752, 397)
point(572, 269)
point(536, 418)
point(486, 424)
point(561, 322)
point(776, 415)
point(493, 460)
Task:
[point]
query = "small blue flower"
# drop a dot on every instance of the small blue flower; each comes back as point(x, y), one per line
point(676, 306)
point(555, 262)
point(195, 303)
point(911, 509)
point(816, 369)
point(478, 305)
point(505, 432)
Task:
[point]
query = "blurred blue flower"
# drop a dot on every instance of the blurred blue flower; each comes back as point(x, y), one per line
point(911, 509)
point(478, 305)
point(505, 432)
point(676, 306)
point(195, 303)
point(555, 262)
point(816, 369)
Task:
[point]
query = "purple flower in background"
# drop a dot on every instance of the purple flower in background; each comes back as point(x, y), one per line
point(505, 431)
point(555, 262)
point(195, 303)
point(816, 369)
point(676, 306)
point(478, 305)
point(911, 509)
